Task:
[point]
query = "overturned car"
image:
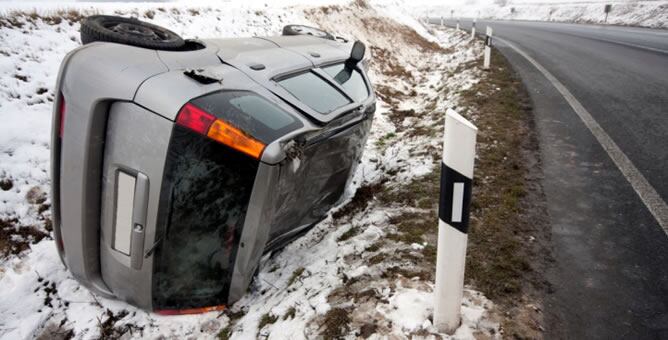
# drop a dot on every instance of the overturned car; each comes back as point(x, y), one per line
point(176, 164)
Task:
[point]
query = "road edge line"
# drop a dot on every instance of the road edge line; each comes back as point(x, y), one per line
point(648, 195)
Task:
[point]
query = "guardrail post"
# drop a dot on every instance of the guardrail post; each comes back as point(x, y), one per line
point(488, 48)
point(453, 213)
point(473, 29)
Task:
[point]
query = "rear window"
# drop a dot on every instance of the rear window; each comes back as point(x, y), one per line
point(350, 79)
point(251, 113)
point(204, 197)
point(315, 92)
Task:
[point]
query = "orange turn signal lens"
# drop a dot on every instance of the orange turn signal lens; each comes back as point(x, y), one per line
point(235, 138)
point(190, 310)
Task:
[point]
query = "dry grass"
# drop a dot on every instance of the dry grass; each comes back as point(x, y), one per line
point(267, 319)
point(506, 204)
point(18, 19)
point(295, 275)
point(14, 238)
point(290, 313)
point(109, 329)
point(335, 324)
point(149, 14)
point(363, 196)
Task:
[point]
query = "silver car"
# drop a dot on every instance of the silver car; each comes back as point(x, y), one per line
point(176, 164)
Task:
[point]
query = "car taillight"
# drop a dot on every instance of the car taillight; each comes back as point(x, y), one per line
point(202, 122)
point(59, 244)
point(190, 310)
point(195, 119)
point(61, 115)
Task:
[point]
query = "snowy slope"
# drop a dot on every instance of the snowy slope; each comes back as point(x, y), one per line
point(39, 297)
point(636, 13)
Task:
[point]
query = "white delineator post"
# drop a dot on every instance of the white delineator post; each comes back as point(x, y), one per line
point(457, 24)
point(473, 29)
point(453, 212)
point(488, 48)
point(442, 22)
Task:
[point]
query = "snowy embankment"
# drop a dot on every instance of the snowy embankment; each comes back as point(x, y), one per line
point(634, 13)
point(354, 274)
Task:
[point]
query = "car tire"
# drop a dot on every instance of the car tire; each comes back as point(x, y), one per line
point(129, 31)
point(307, 30)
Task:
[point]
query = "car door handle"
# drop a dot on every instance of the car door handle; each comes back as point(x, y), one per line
point(139, 221)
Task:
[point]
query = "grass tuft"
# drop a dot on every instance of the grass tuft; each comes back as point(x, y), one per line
point(295, 275)
point(336, 323)
point(266, 319)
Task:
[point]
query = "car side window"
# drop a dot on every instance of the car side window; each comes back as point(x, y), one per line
point(315, 92)
point(350, 79)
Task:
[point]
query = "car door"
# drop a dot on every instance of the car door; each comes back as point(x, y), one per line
point(314, 180)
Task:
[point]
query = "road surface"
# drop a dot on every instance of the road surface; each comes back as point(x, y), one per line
point(600, 98)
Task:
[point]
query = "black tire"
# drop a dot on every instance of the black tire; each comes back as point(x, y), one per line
point(129, 31)
point(307, 30)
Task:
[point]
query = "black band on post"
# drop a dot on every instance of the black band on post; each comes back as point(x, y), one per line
point(447, 204)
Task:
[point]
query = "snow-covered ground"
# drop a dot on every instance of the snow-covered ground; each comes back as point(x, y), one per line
point(652, 13)
point(296, 292)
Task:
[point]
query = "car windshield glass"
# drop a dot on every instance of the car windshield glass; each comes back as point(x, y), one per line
point(315, 92)
point(251, 113)
point(351, 80)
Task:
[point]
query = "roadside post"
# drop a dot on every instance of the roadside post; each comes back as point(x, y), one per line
point(453, 214)
point(457, 28)
point(473, 28)
point(607, 9)
point(442, 22)
point(488, 48)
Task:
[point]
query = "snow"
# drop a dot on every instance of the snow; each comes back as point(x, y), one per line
point(408, 308)
point(38, 294)
point(652, 13)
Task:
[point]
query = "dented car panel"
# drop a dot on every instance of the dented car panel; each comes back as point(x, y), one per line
point(155, 206)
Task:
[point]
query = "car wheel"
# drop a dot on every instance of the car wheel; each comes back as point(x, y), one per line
point(306, 30)
point(129, 31)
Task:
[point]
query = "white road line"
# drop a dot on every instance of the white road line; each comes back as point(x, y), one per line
point(656, 205)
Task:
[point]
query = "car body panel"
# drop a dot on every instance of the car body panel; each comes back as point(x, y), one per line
point(136, 144)
point(89, 90)
point(121, 106)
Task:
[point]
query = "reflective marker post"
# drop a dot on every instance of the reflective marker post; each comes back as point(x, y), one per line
point(453, 212)
point(457, 24)
point(442, 22)
point(473, 29)
point(488, 48)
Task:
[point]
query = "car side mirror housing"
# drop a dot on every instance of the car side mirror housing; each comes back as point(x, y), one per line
point(357, 53)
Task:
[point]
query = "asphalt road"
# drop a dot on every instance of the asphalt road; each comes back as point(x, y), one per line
point(610, 277)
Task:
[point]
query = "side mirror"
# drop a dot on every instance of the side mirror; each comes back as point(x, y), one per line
point(357, 53)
